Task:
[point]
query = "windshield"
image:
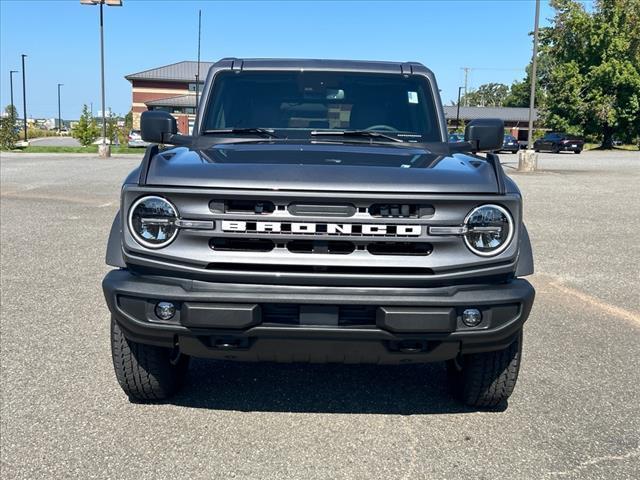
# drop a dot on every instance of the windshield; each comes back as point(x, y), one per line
point(295, 104)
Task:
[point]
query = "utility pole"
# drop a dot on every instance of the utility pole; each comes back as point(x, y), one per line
point(59, 115)
point(528, 159)
point(458, 109)
point(198, 72)
point(466, 78)
point(24, 99)
point(532, 98)
point(11, 72)
point(104, 150)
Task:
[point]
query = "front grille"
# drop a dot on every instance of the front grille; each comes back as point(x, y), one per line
point(320, 246)
point(321, 238)
point(241, 244)
point(317, 269)
point(400, 248)
point(311, 209)
point(401, 210)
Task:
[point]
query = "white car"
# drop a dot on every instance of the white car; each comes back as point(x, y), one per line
point(135, 139)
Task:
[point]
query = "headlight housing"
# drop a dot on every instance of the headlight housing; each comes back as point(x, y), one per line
point(489, 230)
point(152, 221)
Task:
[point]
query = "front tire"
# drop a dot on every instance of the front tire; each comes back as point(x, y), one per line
point(146, 373)
point(486, 380)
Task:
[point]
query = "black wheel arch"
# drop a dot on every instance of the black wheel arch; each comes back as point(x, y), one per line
point(114, 244)
point(525, 258)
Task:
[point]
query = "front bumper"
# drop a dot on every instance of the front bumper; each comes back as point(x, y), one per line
point(568, 147)
point(255, 322)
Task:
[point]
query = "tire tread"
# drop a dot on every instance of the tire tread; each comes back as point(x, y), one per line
point(143, 371)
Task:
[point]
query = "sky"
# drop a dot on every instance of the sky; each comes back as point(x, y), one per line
point(61, 39)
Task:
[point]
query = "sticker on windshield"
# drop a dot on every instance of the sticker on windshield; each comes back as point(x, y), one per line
point(413, 97)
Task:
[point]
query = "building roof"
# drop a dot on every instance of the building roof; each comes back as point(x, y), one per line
point(179, 101)
point(507, 114)
point(181, 71)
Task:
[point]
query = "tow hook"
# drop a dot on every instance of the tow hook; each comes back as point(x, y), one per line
point(412, 346)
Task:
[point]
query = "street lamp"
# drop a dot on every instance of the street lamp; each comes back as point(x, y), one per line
point(11, 72)
point(24, 99)
point(458, 109)
point(534, 61)
point(528, 159)
point(59, 116)
point(104, 150)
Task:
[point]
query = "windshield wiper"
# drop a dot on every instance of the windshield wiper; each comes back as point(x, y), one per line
point(355, 133)
point(242, 131)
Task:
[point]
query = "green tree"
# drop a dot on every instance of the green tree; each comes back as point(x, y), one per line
point(594, 85)
point(8, 130)
point(486, 95)
point(87, 129)
point(128, 121)
point(112, 128)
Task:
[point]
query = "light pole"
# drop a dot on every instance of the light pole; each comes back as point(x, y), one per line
point(528, 159)
point(59, 115)
point(11, 72)
point(24, 99)
point(458, 109)
point(104, 150)
point(532, 98)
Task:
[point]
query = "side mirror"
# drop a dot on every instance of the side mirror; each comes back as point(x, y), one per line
point(484, 134)
point(157, 126)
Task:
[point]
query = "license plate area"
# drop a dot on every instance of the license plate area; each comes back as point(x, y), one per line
point(319, 315)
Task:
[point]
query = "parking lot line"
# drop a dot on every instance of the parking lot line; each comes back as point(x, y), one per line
point(631, 316)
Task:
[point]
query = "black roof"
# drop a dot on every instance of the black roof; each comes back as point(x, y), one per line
point(321, 64)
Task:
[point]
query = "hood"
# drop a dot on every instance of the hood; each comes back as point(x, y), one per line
point(323, 167)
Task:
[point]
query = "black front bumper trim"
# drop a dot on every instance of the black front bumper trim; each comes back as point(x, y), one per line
point(220, 320)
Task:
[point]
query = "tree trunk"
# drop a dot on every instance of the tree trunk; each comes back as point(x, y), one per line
point(607, 137)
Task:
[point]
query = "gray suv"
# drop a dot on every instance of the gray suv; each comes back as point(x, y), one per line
point(319, 214)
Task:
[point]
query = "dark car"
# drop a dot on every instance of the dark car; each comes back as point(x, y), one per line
point(456, 137)
point(510, 144)
point(559, 142)
point(318, 213)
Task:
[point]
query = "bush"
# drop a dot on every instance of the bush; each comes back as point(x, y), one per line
point(8, 130)
point(35, 132)
point(87, 131)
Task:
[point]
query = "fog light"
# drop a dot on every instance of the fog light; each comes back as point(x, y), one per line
point(165, 310)
point(471, 317)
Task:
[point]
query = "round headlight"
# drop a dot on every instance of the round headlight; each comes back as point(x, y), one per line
point(152, 221)
point(489, 230)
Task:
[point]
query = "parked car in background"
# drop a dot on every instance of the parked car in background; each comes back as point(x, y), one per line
point(510, 144)
point(456, 137)
point(559, 142)
point(135, 139)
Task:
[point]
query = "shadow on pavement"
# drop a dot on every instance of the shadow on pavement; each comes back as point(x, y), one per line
point(365, 389)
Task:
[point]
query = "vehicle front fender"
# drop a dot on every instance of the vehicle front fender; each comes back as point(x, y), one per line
point(114, 245)
point(525, 260)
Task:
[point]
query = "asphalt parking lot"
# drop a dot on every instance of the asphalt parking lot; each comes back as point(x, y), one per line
point(575, 413)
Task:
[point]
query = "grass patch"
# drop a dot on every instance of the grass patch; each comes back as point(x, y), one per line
point(597, 146)
point(88, 150)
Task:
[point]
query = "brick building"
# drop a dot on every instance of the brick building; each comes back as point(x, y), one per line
point(171, 88)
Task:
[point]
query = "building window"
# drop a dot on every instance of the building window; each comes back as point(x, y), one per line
point(192, 87)
point(175, 110)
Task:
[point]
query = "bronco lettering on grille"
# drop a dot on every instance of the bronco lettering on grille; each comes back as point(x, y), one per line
point(326, 228)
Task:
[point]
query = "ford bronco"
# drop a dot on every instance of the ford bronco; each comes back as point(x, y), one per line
point(317, 213)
